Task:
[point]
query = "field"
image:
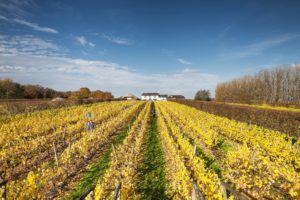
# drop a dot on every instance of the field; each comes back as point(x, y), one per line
point(271, 107)
point(16, 106)
point(283, 119)
point(144, 150)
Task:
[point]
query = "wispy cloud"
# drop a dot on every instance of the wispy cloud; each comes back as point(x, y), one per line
point(34, 26)
point(28, 44)
point(117, 40)
point(183, 61)
point(259, 47)
point(224, 32)
point(83, 41)
point(16, 8)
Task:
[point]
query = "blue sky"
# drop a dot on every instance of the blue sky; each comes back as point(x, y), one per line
point(173, 47)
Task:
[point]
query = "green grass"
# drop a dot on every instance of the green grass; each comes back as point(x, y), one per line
point(154, 184)
point(209, 162)
point(97, 169)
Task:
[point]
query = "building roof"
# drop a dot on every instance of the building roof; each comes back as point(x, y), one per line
point(150, 94)
point(130, 95)
point(163, 95)
point(177, 96)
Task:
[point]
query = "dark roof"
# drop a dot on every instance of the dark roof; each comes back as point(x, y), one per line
point(163, 95)
point(149, 94)
point(177, 96)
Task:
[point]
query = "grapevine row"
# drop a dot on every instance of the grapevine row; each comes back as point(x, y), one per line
point(193, 167)
point(249, 166)
point(26, 127)
point(125, 161)
point(46, 181)
point(27, 153)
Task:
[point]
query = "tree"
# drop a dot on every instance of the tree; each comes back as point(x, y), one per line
point(75, 95)
point(10, 89)
point(33, 91)
point(49, 93)
point(13, 90)
point(278, 85)
point(203, 95)
point(108, 95)
point(84, 93)
point(98, 94)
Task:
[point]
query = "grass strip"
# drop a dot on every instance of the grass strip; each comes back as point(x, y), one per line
point(153, 184)
point(209, 162)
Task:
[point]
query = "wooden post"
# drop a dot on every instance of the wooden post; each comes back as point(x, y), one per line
point(235, 193)
point(224, 192)
point(130, 157)
point(70, 142)
point(193, 194)
point(93, 195)
point(114, 151)
point(64, 136)
point(198, 191)
point(3, 185)
point(117, 191)
point(195, 149)
point(55, 154)
point(5, 192)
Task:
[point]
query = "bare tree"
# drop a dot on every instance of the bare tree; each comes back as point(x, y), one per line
point(279, 85)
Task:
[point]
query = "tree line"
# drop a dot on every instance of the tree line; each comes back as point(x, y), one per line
point(278, 85)
point(12, 90)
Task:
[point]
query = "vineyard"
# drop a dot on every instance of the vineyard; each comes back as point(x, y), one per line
point(282, 119)
point(144, 150)
point(266, 106)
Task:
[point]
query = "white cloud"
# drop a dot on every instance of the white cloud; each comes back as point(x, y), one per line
point(34, 26)
point(83, 41)
point(91, 44)
point(28, 44)
point(62, 73)
point(259, 47)
point(184, 62)
point(117, 40)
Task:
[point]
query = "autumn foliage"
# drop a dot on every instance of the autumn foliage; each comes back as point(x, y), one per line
point(277, 86)
point(12, 90)
point(283, 121)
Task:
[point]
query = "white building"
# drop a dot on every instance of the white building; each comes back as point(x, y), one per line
point(150, 96)
point(162, 97)
point(154, 96)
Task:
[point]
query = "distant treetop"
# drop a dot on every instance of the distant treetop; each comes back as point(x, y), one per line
point(12, 90)
point(203, 95)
